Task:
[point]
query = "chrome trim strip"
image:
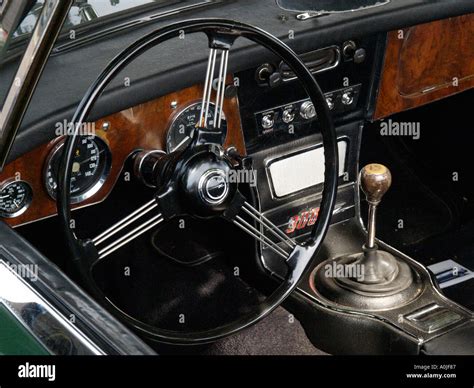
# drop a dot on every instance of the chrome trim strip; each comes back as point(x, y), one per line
point(41, 319)
point(314, 14)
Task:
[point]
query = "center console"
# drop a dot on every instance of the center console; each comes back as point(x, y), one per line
point(396, 306)
point(283, 139)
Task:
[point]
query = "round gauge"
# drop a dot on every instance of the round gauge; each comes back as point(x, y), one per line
point(90, 168)
point(180, 130)
point(15, 197)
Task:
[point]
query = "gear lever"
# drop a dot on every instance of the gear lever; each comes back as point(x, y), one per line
point(380, 268)
point(375, 180)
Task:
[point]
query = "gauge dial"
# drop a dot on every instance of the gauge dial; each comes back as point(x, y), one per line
point(180, 131)
point(15, 197)
point(90, 168)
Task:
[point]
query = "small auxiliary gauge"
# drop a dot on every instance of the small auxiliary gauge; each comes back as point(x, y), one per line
point(15, 197)
point(180, 130)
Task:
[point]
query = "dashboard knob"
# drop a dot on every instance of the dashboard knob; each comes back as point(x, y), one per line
point(347, 98)
point(330, 103)
point(263, 72)
point(348, 49)
point(268, 121)
point(307, 110)
point(360, 55)
point(288, 116)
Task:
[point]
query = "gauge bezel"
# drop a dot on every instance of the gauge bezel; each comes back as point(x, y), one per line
point(75, 199)
point(28, 199)
point(179, 112)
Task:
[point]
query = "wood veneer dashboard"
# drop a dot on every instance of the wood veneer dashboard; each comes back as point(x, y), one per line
point(140, 127)
point(426, 63)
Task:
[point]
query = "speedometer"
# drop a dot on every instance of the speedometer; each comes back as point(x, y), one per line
point(90, 168)
point(180, 131)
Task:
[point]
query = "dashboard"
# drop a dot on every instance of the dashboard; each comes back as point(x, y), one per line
point(267, 117)
point(273, 113)
point(28, 184)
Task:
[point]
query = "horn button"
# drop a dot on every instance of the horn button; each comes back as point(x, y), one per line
point(213, 187)
point(206, 186)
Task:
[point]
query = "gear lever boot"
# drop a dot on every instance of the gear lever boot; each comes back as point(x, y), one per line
point(374, 278)
point(381, 271)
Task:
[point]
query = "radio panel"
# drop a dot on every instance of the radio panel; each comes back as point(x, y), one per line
point(290, 117)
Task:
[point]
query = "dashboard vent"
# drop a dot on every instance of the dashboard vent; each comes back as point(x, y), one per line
point(317, 61)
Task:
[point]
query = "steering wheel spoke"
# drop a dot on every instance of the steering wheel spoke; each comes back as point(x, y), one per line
point(270, 226)
point(221, 56)
point(281, 244)
point(132, 234)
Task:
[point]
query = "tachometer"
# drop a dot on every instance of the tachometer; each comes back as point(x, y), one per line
point(90, 168)
point(15, 197)
point(180, 130)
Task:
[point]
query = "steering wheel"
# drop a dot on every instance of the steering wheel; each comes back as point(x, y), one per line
point(193, 181)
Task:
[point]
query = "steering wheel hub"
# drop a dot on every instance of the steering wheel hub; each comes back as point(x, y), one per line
point(202, 178)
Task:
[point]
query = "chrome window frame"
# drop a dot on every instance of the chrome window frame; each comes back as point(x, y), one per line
point(31, 67)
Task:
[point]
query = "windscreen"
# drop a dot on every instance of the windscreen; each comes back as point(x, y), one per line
point(18, 19)
point(86, 11)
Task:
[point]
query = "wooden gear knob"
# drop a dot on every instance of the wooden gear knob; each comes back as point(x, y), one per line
point(375, 180)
